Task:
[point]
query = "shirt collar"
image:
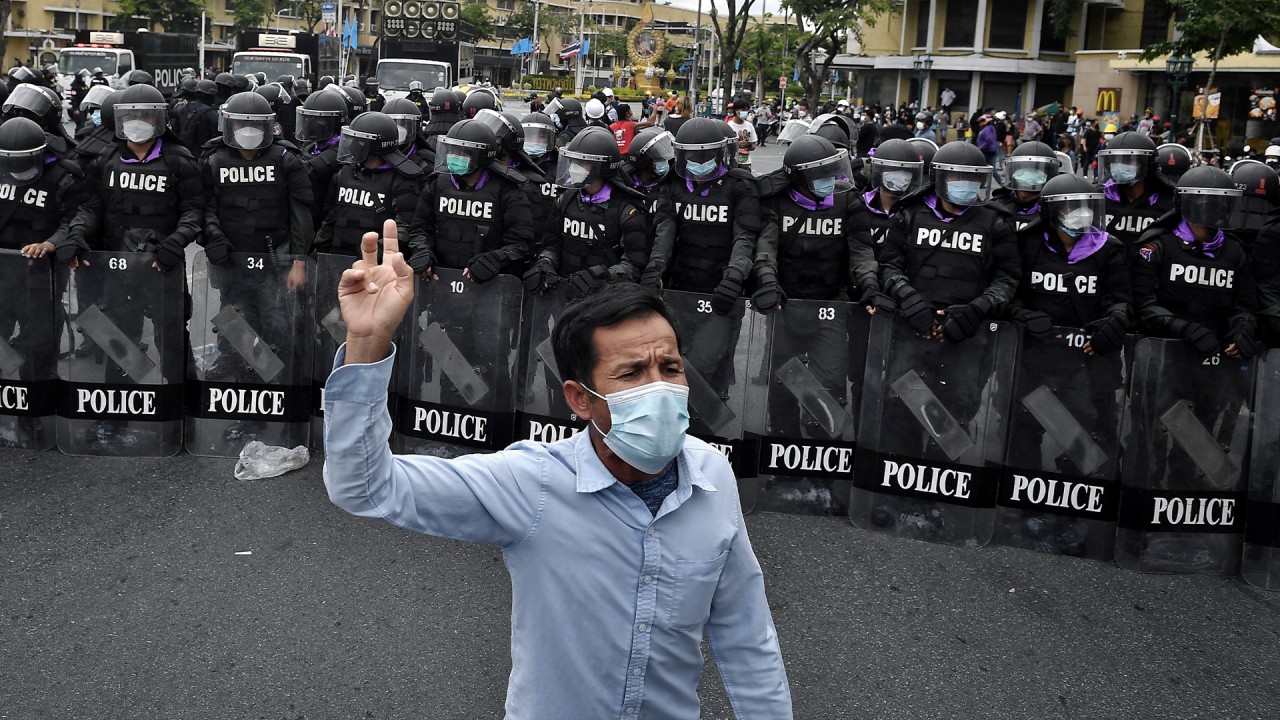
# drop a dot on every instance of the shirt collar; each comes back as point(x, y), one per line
point(484, 177)
point(151, 155)
point(809, 203)
point(593, 476)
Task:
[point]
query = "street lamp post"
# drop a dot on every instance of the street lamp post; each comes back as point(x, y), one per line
point(922, 64)
point(1178, 67)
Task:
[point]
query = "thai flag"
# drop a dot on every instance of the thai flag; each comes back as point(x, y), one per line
point(571, 50)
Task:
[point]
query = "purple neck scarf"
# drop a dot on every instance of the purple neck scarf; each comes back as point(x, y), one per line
point(320, 147)
point(810, 204)
point(484, 177)
point(719, 173)
point(151, 155)
point(1086, 245)
point(602, 196)
point(1183, 231)
point(1111, 191)
point(935, 205)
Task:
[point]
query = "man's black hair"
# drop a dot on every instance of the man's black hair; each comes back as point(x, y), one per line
point(608, 304)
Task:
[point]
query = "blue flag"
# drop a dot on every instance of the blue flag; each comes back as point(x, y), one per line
point(586, 45)
point(795, 76)
point(521, 46)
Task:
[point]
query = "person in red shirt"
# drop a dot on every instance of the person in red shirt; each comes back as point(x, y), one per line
point(625, 128)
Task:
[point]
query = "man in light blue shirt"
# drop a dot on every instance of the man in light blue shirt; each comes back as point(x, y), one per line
point(618, 566)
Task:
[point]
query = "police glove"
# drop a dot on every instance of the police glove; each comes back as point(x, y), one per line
point(421, 261)
point(961, 322)
point(1246, 342)
point(1038, 323)
point(1106, 335)
point(652, 275)
point(218, 249)
point(583, 280)
point(484, 266)
point(71, 249)
point(917, 311)
point(169, 253)
point(878, 300)
point(768, 294)
point(1193, 332)
point(727, 292)
point(542, 274)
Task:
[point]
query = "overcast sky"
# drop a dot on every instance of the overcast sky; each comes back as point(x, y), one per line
point(757, 7)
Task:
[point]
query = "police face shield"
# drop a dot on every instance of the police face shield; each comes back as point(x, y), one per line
point(1029, 174)
point(27, 101)
point(828, 176)
point(660, 151)
point(457, 157)
point(247, 132)
point(896, 178)
point(142, 122)
point(576, 170)
point(495, 122)
point(1122, 166)
point(317, 126)
point(93, 99)
point(538, 139)
point(406, 128)
point(21, 167)
point(354, 147)
point(1075, 213)
point(1208, 207)
point(553, 109)
point(962, 185)
point(699, 162)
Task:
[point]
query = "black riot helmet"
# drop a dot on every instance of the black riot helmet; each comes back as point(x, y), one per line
point(568, 111)
point(301, 88)
point(325, 81)
point(1173, 160)
point(506, 128)
point(226, 83)
point(19, 74)
point(896, 168)
point(248, 121)
point(467, 147)
point(961, 174)
point(321, 116)
point(22, 146)
point(94, 97)
point(27, 100)
point(108, 109)
point(407, 118)
point(371, 86)
point(443, 105)
point(592, 154)
point(1207, 196)
point(653, 150)
point(813, 164)
point(1073, 205)
point(187, 87)
point(139, 77)
point(274, 94)
point(357, 103)
point(141, 114)
point(1257, 180)
point(370, 133)
point(1127, 158)
point(539, 134)
point(286, 82)
point(699, 148)
point(241, 83)
point(926, 149)
point(478, 100)
point(259, 77)
point(206, 91)
point(1030, 167)
point(837, 129)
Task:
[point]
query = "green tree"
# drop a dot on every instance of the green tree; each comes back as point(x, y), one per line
point(729, 34)
point(478, 22)
point(310, 13)
point(823, 31)
point(1218, 28)
point(250, 14)
point(762, 54)
point(551, 21)
point(174, 15)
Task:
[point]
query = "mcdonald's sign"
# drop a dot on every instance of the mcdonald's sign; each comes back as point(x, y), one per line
point(1108, 100)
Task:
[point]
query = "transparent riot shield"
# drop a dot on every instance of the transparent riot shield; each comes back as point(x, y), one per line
point(455, 374)
point(718, 367)
point(933, 420)
point(1260, 565)
point(803, 404)
point(329, 333)
point(1059, 491)
point(1186, 455)
point(251, 379)
point(28, 349)
point(544, 415)
point(121, 393)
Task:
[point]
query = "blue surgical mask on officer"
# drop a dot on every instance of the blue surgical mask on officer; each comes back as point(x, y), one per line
point(535, 149)
point(824, 187)
point(702, 169)
point(963, 192)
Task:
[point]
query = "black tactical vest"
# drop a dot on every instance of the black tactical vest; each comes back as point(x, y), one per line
point(468, 222)
point(31, 213)
point(1127, 221)
point(1197, 287)
point(321, 168)
point(813, 256)
point(365, 199)
point(1055, 287)
point(950, 262)
point(590, 234)
point(251, 197)
point(704, 233)
point(141, 201)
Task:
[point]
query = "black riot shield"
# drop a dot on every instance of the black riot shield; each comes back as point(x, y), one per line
point(1186, 457)
point(329, 333)
point(28, 349)
point(455, 377)
point(718, 365)
point(122, 377)
point(251, 379)
point(1059, 490)
point(544, 415)
point(1260, 565)
point(803, 404)
point(933, 421)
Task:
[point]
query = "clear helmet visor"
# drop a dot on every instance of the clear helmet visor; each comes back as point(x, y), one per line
point(793, 130)
point(140, 123)
point(1029, 174)
point(317, 127)
point(248, 132)
point(1075, 214)
point(894, 178)
point(962, 185)
point(354, 147)
point(700, 162)
point(1125, 168)
point(406, 128)
point(21, 167)
point(539, 139)
point(660, 148)
point(828, 176)
point(1211, 209)
point(95, 96)
point(457, 157)
point(574, 171)
point(495, 122)
point(30, 99)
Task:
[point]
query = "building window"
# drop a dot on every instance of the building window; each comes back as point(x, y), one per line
point(506, 4)
point(1155, 22)
point(1011, 30)
point(64, 20)
point(230, 5)
point(962, 19)
point(922, 24)
point(1049, 40)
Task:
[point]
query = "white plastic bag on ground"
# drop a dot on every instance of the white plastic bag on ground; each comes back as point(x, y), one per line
point(259, 460)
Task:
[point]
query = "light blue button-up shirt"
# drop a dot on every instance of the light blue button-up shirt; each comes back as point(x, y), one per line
point(609, 603)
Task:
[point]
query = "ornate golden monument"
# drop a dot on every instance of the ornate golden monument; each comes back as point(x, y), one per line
point(645, 45)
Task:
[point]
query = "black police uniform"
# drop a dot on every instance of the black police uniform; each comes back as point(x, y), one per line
point(1266, 267)
point(589, 240)
point(360, 200)
point(456, 225)
point(322, 165)
point(197, 124)
point(1126, 220)
point(879, 219)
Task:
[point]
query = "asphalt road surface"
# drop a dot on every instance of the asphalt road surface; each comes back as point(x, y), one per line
point(165, 588)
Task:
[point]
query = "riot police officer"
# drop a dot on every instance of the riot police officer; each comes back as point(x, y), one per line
point(566, 113)
point(1173, 160)
point(472, 214)
point(476, 101)
point(408, 122)
point(197, 120)
point(510, 134)
point(44, 107)
point(139, 77)
point(1259, 201)
point(375, 100)
point(376, 183)
point(896, 171)
point(418, 97)
point(1028, 169)
point(40, 196)
point(648, 162)
point(1193, 280)
point(948, 260)
point(1075, 274)
point(445, 107)
point(597, 231)
point(320, 121)
point(540, 146)
point(286, 119)
point(1137, 195)
point(91, 111)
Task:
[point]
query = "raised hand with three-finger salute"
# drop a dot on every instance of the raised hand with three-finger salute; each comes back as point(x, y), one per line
point(374, 296)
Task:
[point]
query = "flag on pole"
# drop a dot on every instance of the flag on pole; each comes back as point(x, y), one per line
point(521, 46)
point(572, 50)
point(586, 47)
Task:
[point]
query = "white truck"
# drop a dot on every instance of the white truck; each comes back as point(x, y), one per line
point(395, 74)
point(164, 55)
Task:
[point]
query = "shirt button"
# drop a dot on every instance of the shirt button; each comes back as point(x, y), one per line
point(643, 628)
point(650, 531)
point(635, 671)
point(647, 579)
point(630, 710)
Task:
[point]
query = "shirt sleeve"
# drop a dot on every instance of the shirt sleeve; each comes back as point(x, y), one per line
point(485, 498)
